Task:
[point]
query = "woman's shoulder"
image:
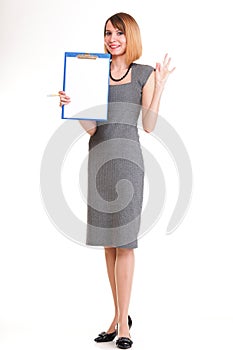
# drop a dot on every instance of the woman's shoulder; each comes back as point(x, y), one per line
point(143, 71)
point(143, 67)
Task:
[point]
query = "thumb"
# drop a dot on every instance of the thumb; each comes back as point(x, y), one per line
point(157, 66)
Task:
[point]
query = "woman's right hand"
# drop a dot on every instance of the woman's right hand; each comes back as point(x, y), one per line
point(64, 99)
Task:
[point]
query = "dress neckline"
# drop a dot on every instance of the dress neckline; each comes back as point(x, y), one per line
point(133, 64)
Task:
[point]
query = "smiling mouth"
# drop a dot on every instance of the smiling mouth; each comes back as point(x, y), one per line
point(114, 46)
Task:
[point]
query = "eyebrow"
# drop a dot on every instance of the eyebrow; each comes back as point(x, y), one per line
point(109, 30)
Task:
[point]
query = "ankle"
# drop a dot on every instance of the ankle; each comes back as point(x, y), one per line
point(123, 330)
point(123, 319)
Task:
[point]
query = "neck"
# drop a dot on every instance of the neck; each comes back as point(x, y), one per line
point(118, 64)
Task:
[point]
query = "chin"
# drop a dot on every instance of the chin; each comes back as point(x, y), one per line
point(119, 53)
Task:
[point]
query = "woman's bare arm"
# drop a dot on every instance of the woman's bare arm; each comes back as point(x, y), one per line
point(152, 92)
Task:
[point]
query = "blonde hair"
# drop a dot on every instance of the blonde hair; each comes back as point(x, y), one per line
point(127, 24)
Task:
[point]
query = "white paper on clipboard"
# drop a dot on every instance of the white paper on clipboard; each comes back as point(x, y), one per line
point(86, 82)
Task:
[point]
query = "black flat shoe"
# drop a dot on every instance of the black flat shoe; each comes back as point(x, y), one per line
point(124, 343)
point(106, 337)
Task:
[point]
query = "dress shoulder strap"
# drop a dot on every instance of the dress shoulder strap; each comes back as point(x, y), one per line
point(142, 73)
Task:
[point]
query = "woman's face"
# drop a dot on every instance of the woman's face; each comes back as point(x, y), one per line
point(115, 40)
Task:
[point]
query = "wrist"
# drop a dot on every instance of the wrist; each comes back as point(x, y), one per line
point(159, 86)
point(160, 83)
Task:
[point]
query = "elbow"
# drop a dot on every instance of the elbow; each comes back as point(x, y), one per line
point(91, 131)
point(148, 130)
point(149, 121)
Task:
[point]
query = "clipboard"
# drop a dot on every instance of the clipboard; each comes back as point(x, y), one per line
point(86, 82)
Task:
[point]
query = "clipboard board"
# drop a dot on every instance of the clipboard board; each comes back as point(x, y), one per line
point(86, 82)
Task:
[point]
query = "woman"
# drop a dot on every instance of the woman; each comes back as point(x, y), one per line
point(131, 85)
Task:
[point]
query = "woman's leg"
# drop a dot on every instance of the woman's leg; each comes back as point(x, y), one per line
point(110, 256)
point(124, 277)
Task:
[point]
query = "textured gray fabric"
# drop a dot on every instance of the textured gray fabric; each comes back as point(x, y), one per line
point(116, 168)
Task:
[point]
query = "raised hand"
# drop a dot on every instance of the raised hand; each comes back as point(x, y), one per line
point(162, 71)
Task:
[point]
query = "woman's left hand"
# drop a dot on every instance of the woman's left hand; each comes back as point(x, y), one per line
point(162, 71)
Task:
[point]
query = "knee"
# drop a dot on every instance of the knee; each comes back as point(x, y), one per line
point(124, 252)
point(110, 251)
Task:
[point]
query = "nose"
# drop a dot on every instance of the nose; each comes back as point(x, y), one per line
point(113, 37)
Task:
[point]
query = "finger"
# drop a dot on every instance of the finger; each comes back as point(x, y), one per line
point(165, 59)
point(168, 62)
point(65, 99)
point(172, 70)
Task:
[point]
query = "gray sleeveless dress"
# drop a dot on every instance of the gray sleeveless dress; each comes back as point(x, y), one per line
point(116, 168)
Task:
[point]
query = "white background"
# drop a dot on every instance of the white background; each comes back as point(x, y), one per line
point(54, 294)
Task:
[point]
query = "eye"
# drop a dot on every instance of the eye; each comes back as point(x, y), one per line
point(120, 33)
point(107, 33)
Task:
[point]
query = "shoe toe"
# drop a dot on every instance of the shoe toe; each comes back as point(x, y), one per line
point(124, 343)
